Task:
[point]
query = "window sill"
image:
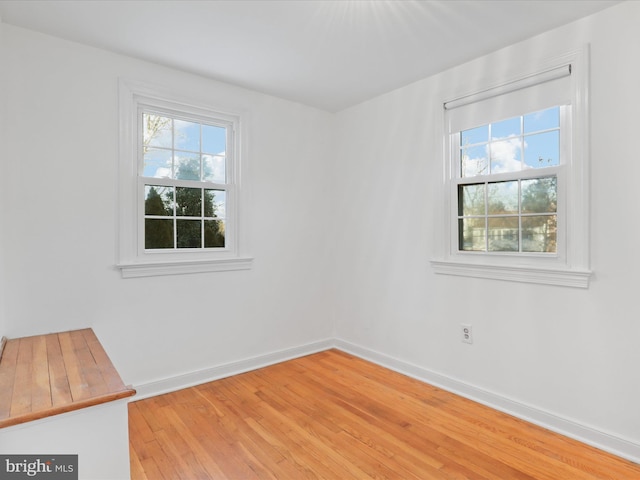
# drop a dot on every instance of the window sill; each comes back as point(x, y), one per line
point(135, 270)
point(546, 276)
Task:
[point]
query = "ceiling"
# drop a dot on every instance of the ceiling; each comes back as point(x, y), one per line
point(329, 54)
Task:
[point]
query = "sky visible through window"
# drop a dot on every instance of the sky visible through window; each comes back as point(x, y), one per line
point(170, 143)
point(514, 144)
point(184, 150)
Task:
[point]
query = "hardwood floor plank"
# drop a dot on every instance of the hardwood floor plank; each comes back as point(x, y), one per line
point(106, 370)
point(60, 389)
point(138, 425)
point(8, 378)
point(334, 416)
point(157, 463)
point(88, 367)
point(22, 389)
point(41, 388)
point(137, 471)
point(77, 384)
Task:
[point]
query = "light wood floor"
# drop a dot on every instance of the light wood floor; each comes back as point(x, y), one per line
point(334, 416)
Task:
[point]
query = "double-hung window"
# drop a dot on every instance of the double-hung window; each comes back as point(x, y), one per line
point(184, 181)
point(507, 184)
point(516, 190)
point(179, 179)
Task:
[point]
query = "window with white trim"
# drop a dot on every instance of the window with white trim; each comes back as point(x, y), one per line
point(179, 178)
point(516, 190)
point(184, 180)
point(507, 184)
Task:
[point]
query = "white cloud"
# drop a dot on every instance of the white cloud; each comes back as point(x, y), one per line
point(506, 155)
point(162, 172)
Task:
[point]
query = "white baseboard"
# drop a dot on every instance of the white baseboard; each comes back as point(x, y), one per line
point(190, 379)
point(591, 436)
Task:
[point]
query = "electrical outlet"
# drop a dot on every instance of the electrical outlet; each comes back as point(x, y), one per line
point(467, 333)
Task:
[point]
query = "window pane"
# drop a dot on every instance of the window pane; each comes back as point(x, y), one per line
point(539, 233)
point(214, 139)
point(542, 150)
point(187, 166)
point(505, 129)
point(471, 234)
point(214, 203)
point(188, 202)
point(187, 135)
point(214, 168)
point(503, 234)
point(213, 233)
point(542, 120)
point(471, 199)
point(503, 198)
point(156, 131)
point(539, 195)
point(157, 163)
point(506, 155)
point(186, 156)
point(474, 161)
point(158, 233)
point(189, 233)
point(158, 200)
point(475, 135)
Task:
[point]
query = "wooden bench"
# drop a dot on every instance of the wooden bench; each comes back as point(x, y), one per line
point(60, 393)
point(51, 374)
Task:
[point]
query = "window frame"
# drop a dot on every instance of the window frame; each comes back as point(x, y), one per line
point(230, 126)
point(557, 171)
point(133, 259)
point(569, 266)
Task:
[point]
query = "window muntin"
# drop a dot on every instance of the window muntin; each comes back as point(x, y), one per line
point(511, 145)
point(507, 186)
point(183, 217)
point(508, 216)
point(183, 182)
point(179, 149)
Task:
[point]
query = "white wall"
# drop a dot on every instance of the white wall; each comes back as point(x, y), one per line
point(59, 172)
point(572, 353)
